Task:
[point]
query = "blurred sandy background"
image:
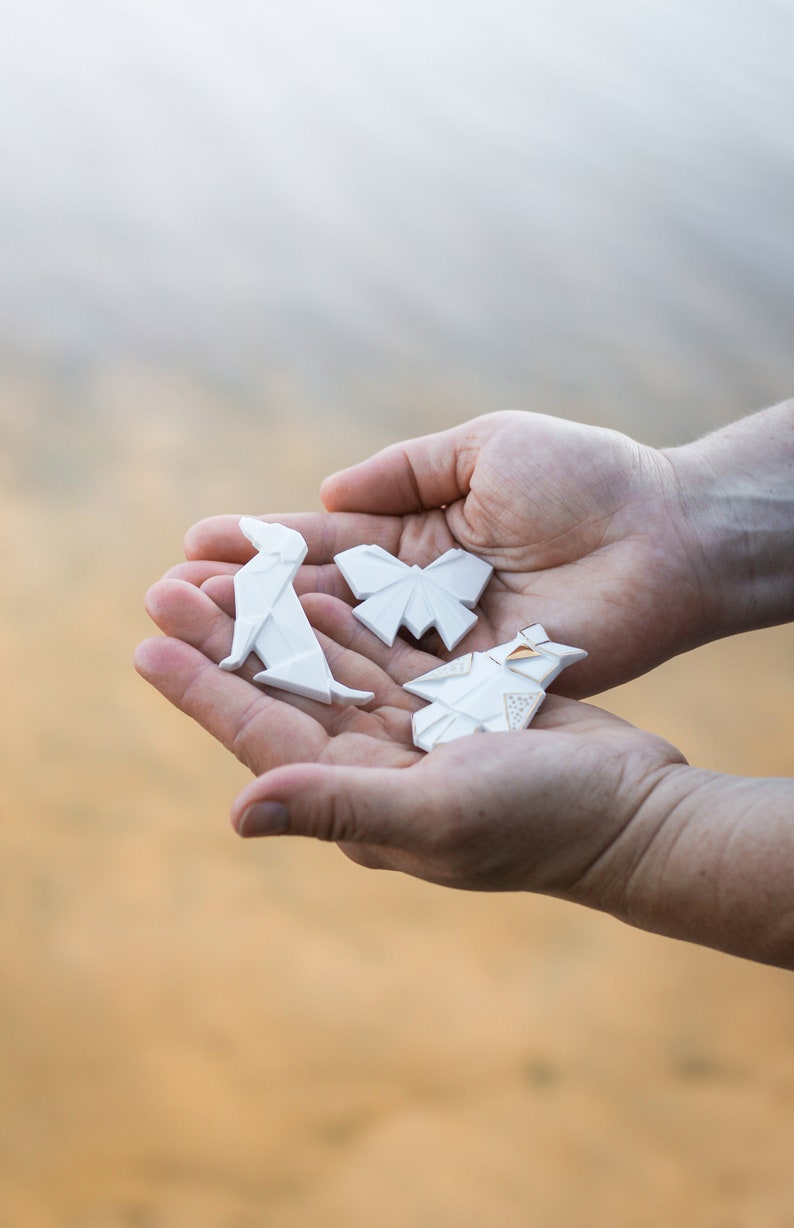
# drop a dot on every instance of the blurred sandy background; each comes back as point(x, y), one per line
point(241, 246)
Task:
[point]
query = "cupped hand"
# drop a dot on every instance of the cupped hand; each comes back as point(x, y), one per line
point(552, 809)
point(583, 526)
point(542, 810)
point(265, 729)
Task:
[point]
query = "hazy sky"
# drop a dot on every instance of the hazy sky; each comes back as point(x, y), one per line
point(417, 184)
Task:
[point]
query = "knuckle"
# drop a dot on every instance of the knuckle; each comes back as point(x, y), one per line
point(244, 740)
point(334, 819)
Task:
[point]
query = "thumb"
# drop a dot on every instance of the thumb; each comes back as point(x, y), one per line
point(418, 475)
point(341, 804)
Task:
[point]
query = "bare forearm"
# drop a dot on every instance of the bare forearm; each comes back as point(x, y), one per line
point(737, 495)
point(717, 864)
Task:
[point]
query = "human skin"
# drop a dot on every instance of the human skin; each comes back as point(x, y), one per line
point(634, 553)
point(629, 552)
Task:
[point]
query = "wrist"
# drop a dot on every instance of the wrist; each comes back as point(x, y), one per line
point(735, 497)
point(713, 863)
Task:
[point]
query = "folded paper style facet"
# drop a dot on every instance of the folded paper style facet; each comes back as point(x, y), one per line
point(501, 689)
point(492, 691)
point(396, 594)
point(270, 621)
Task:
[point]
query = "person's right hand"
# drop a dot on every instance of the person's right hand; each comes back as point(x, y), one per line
point(583, 526)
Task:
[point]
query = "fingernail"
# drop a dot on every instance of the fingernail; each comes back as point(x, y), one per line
point(264, 819)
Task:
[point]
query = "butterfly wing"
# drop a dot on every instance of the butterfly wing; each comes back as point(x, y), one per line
point(368, 569)
point(383, 612)
point(460, 574)
point(435, 606)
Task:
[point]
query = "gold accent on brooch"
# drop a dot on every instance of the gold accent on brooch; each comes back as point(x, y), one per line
point(523, 652)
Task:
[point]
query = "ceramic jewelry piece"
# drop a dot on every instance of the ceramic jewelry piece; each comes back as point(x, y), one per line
point(492, 691)
point(395, 594)
point(270, 620)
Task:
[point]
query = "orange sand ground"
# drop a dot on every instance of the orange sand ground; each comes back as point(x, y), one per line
point(200, 1032)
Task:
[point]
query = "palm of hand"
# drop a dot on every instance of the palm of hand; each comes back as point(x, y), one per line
point(441, 834)
point(575, 522)
point(579, 524)
point(264, 730)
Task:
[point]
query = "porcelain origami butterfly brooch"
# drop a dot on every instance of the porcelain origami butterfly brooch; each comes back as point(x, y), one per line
point(441, 595)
